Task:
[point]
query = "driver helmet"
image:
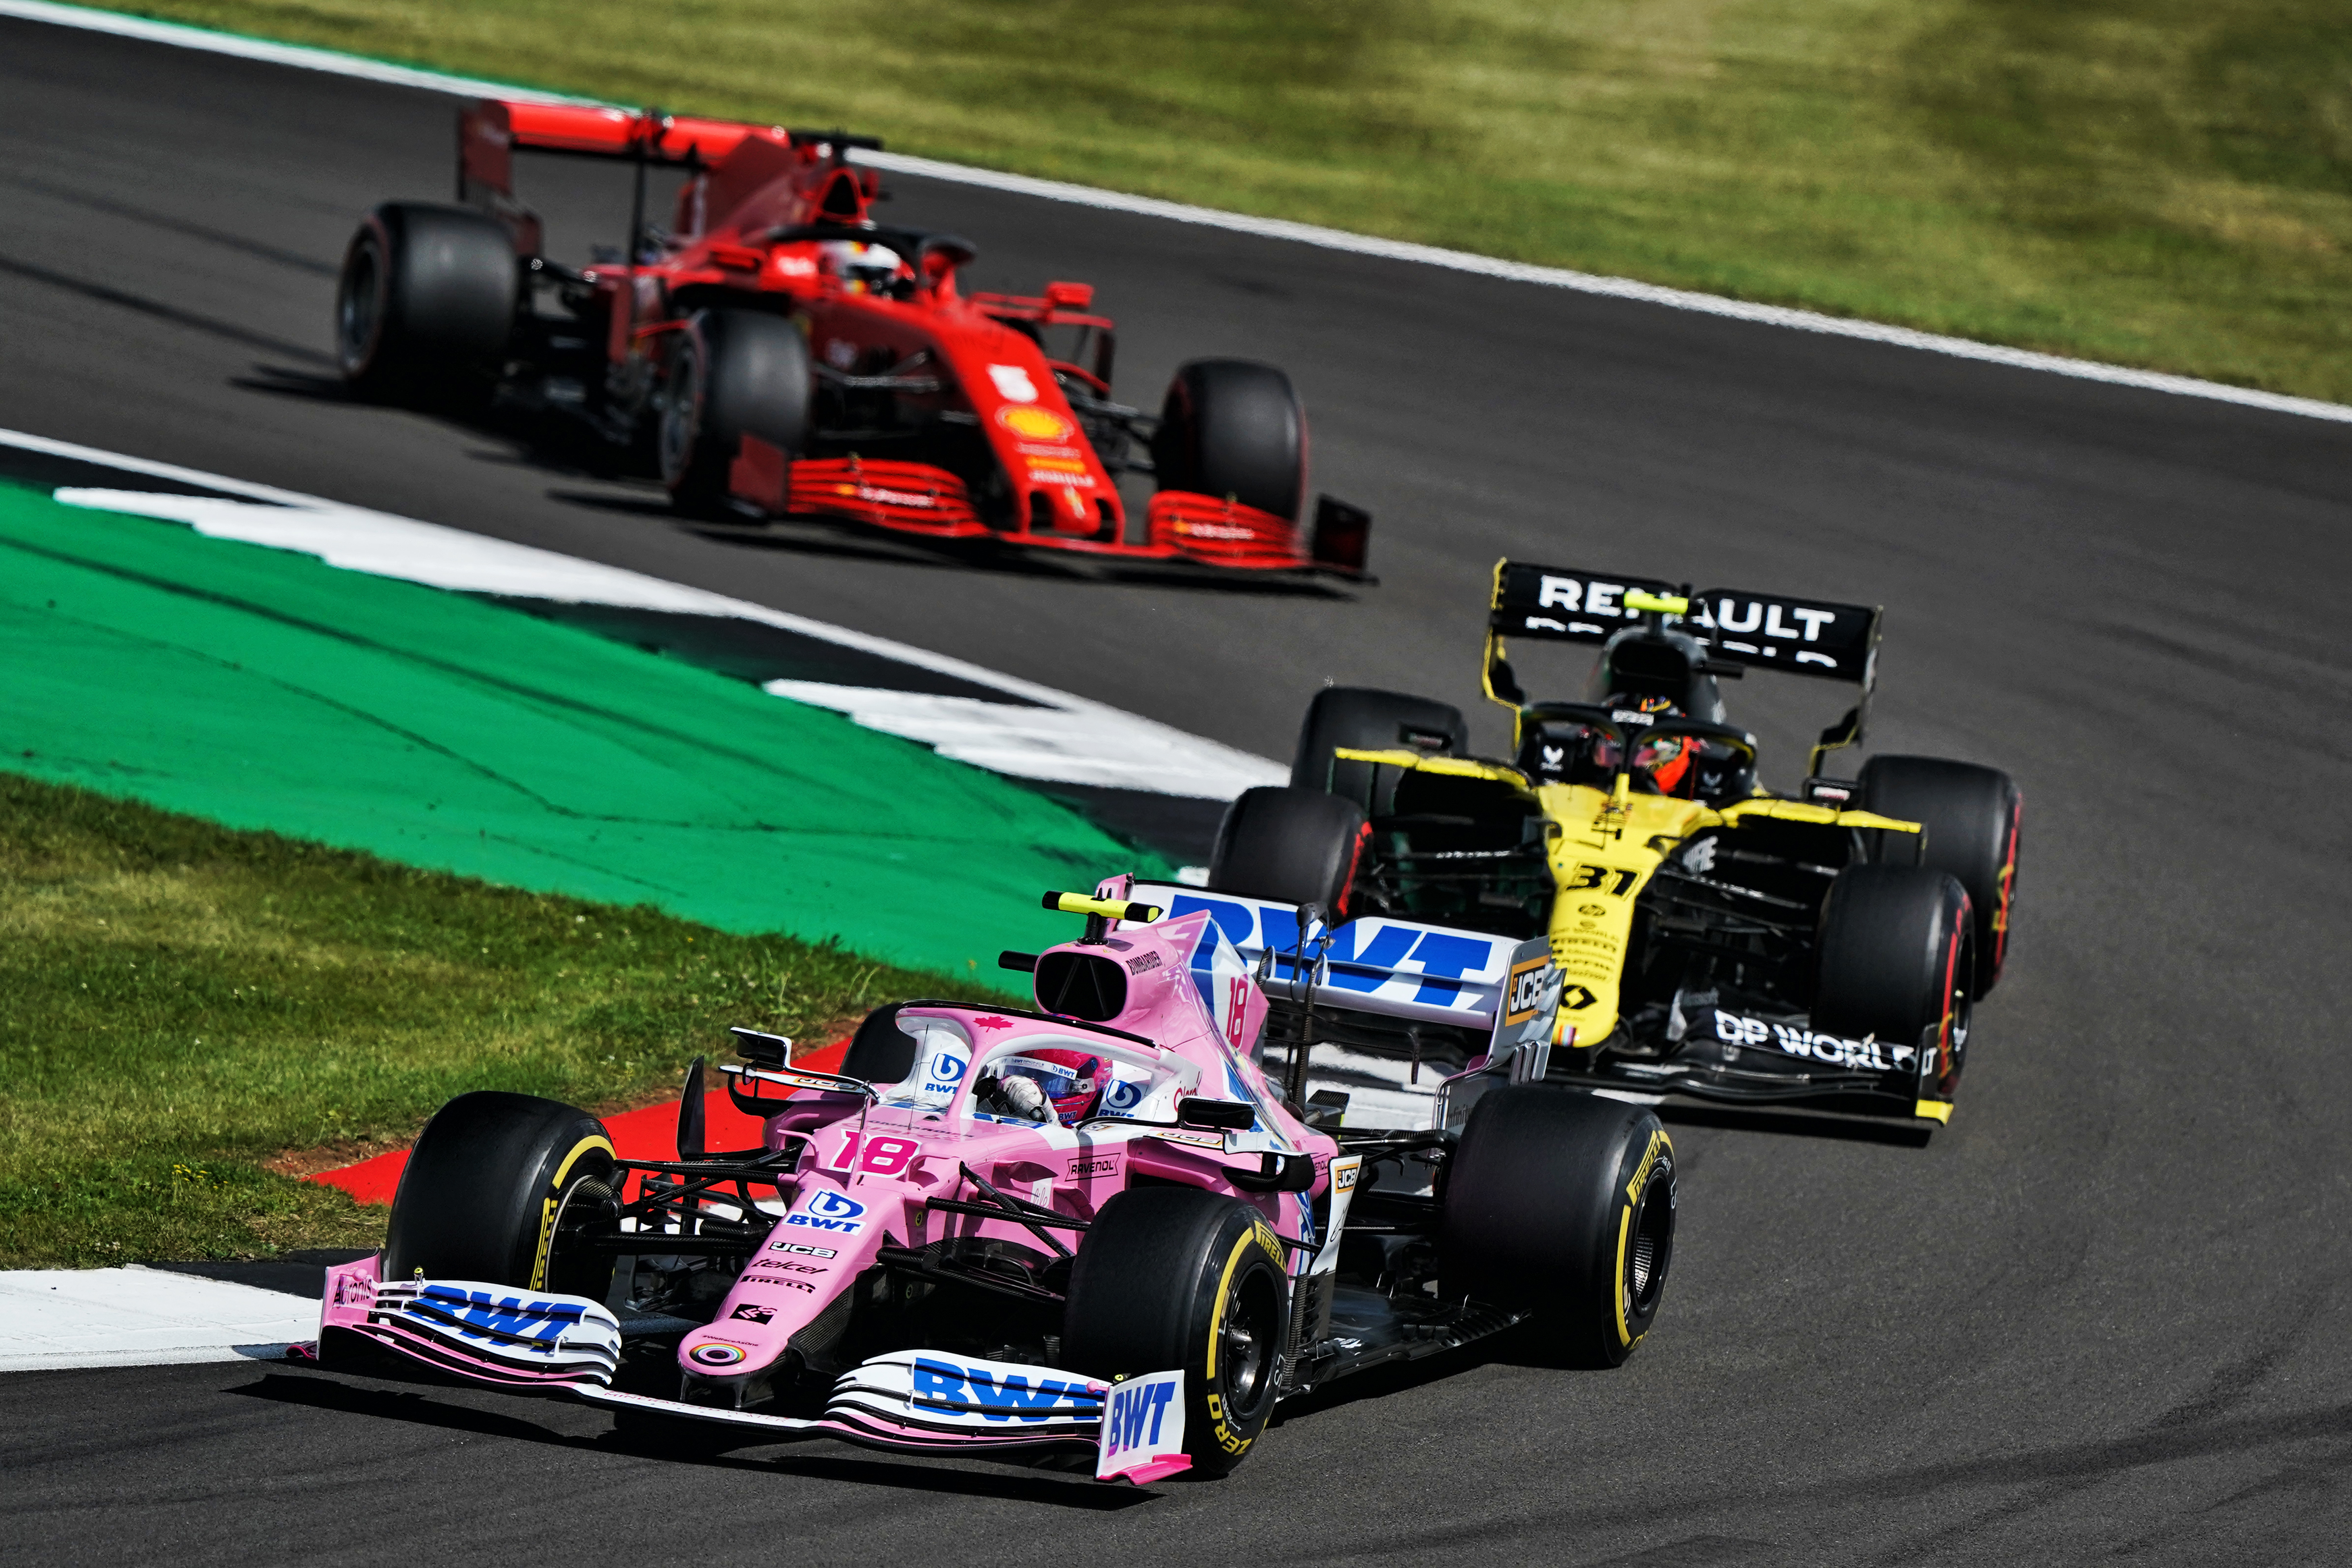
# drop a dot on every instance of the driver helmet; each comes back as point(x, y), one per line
point(1665, 762)
point(1070, 1082)
point(862, 268)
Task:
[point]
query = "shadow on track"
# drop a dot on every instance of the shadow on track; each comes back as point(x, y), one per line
point(156, 310)
point(418, 1406)
point(564, 449)
point(1797, 1124)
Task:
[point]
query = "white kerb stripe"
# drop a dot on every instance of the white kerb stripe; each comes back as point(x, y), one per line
point(1063, 739)
point(303, 56)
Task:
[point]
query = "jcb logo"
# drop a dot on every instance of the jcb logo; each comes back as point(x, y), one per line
point(1527, 991)
point(1608, 879)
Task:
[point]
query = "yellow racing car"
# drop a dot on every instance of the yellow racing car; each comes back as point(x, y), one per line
point(1712, 939)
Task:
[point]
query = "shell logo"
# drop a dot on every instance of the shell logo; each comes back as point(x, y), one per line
point(1035, 423)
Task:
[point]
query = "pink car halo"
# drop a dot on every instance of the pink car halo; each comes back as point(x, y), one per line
point(1094, 1223)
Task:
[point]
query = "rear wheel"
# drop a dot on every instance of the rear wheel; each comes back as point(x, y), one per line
point(1179, 1278)
point(1971, 815)
point(1563, 1203)
point(1233, 427)
point(1363, 719)
point(506, 1189)
point(1896, 946)
point(731, 373)
point(425, 302)
point(1289, 846)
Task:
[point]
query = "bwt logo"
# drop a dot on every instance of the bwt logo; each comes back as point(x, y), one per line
point(829, 1211)
point(1134, 1418)
point(946, 1067)
point(944, 1383)
point(539, 1324)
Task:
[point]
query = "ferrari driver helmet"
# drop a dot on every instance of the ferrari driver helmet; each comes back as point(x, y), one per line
point(862, 268)
point(1064, 1084)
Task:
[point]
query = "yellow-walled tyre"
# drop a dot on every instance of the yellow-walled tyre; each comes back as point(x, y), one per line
point(1174, 1277)
point(497, 1186)
point(1561, 1204)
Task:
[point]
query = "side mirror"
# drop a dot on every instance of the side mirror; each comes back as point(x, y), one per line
point(1194, 1111)
point(1278, 1173)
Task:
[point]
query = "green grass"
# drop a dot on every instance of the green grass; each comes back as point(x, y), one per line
point(2164, 182)
point(181, 1002)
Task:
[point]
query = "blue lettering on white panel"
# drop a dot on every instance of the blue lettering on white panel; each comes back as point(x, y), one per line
point(1238, 921)
point(1136, 1414)
point(1015, 1398)
point(1384, 952)
point(1442, 960)
point(938, 1380)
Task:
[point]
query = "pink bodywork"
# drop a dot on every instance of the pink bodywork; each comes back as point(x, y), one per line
point(870, 1170)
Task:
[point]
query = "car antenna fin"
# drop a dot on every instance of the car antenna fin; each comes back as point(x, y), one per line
point(693, 1144)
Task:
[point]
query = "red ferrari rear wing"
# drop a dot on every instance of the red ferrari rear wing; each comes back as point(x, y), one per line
point(490, 130)
point(493, 127)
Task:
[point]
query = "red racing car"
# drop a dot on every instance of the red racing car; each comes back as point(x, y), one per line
point(781, 353)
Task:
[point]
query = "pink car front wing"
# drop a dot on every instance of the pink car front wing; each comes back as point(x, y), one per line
point(922, 1401)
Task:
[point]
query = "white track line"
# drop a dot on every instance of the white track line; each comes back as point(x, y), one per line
point(309, 58)
point(58, 1318)
point(1046, 735)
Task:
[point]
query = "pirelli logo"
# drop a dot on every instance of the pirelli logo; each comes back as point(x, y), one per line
point(1525, 993)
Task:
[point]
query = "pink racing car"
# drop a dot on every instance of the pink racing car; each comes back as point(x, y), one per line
point(1097, 1225)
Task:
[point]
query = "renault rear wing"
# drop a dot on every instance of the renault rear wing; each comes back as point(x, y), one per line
point(1739, 629)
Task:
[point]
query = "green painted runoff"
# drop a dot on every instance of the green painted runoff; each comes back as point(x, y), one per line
point(266, 690)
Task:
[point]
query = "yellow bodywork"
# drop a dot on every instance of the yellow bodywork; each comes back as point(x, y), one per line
point(1602, 848)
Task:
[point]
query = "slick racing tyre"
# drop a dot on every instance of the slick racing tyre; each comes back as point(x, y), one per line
point(1971, 815)
point(425, 302)
point(1897, 947)
point(1231, 427)
point(1562, 1202)
point(1176, 1277)
point(503, 1188)
point(1366, 721)
point(731, 373)
point(1289, 846)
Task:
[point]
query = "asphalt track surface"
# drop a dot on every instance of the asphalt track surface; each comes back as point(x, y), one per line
point(2104, 1314)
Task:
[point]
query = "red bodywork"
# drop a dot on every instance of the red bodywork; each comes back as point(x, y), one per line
point(974, 360)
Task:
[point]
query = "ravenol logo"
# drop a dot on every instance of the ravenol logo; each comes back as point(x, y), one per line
point(1000, 1397)
point(829, 1211)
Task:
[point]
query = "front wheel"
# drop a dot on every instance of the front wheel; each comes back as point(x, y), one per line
point(506, 1189)
point(1898, 946)
point(1562, 1203)
point(1234, 428)
point(1179, 1278)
